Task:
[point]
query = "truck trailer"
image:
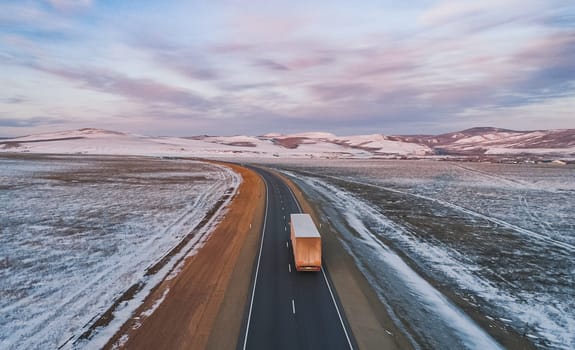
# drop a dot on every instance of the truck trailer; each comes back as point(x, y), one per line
point(305, 242)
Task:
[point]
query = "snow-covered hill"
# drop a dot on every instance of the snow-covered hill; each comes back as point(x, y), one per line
point(308, 145)
point(476, 141)
point(491, 141)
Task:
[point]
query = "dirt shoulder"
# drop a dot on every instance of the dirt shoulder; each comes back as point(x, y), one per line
point(370, 322)
point(203, 305)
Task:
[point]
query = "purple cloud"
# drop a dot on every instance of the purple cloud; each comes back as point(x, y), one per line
point(305, 62)
point(551, 61)
point(248, 86)
point(14, 100)
point(138, 89)
point(186, 61)
point(231, 48)
point(270, 65)
point(188, 65)
point(30, 122)
point(338, 91)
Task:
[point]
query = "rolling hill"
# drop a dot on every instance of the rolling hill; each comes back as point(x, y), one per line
point(470, 142)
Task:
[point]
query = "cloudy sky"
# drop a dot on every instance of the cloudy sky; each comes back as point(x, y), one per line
point(183, 67)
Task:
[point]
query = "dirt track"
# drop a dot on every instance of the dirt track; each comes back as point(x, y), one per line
point(201, 307)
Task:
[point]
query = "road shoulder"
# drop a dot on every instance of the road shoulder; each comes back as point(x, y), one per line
point(203, 304)
point(227, 325)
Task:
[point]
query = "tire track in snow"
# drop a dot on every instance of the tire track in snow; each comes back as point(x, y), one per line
point(426, 308)
point(521, 230)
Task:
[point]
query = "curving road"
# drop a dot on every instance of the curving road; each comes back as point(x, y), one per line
point(289, 309)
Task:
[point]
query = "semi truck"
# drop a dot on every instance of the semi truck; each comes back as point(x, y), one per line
point(305, 242)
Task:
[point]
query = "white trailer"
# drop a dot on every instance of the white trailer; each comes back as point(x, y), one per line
point(306, 243)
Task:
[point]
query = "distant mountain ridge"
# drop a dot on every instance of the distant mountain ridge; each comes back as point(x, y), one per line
point(479, 141)
point(488, 140)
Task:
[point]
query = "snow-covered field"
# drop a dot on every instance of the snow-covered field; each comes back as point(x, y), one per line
point(501, 237)
point(77, 232)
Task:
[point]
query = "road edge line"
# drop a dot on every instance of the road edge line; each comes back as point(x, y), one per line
point(257, 267)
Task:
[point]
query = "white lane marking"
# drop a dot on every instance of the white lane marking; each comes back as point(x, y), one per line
point(285, 228)
point(326, 282)
point(287, 246)
point(293, 306)
point(257, 268)
point(289, 267)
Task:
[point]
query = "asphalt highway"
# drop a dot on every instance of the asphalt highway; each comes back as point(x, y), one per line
point(289, 309)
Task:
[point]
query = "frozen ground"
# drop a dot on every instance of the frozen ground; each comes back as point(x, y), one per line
point(501, 238)
point(76, 232)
